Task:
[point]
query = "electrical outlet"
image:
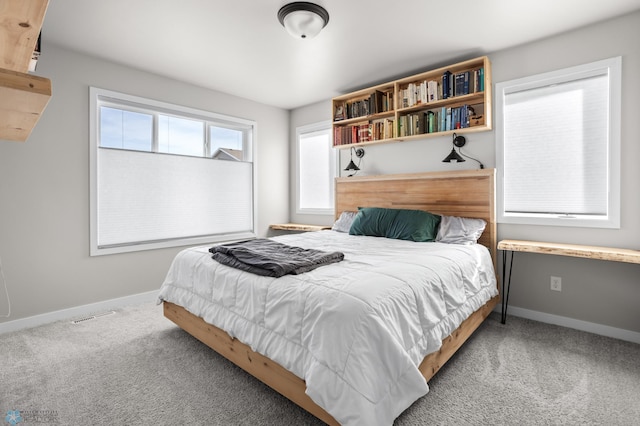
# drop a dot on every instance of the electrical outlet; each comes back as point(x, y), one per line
point(556, 283)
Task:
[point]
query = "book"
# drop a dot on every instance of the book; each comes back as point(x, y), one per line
point(405, 98)
point(431, 119)
point(464, 117)
point(364, 132)
point(388, 102)
point(340, 112)
point(446, 84)
point(476, 81)
point(413, 94)
point(432, 91)
point(389, 128)
point(459, 84)
point(33, 62)
point(465, 85)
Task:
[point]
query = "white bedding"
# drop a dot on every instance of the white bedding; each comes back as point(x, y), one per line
point(355, 331)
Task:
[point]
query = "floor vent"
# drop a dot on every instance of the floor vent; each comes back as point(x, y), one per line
point(92, 317)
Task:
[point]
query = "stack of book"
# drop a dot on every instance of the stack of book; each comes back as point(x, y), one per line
point(364, 132)
point(438, 120)
point(448, 86)
point(375, 103)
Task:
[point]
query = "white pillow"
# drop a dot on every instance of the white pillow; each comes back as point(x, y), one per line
point(343, 224)
point(460, 230)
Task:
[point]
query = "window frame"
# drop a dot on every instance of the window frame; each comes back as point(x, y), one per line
point(613, 68)
point(319, 127)
point(99, 97)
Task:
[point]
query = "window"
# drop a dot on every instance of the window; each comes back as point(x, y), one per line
point(164, 175)
point(316, 169)
point(558, 147)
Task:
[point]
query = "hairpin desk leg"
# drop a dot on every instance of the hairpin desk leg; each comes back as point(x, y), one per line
point(506, 281)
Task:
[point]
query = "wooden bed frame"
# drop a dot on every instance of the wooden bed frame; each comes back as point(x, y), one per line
point(460, 193)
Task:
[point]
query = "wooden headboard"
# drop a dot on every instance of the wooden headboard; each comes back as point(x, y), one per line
point(466, 193)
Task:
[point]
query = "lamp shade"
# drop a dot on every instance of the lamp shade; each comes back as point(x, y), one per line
point(453, 156)
point(352, 166)
point(303, 19)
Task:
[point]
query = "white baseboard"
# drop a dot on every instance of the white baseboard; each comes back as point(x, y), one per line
point(590, 327)
point(85, 310)
point(77, 311)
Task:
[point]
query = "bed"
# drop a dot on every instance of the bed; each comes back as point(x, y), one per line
point(308, 337)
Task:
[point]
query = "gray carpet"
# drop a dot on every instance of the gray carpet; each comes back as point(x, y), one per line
point(137, 368)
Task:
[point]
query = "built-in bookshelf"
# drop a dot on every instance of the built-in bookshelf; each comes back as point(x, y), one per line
point(455, 98)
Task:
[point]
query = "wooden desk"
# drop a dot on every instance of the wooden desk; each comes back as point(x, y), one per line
point(574, 250)
point(298, 227)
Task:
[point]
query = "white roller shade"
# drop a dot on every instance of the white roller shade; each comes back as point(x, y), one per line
point(558, 134)
point(147, 197)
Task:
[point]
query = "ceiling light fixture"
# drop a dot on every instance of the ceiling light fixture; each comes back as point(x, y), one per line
point(302, 19)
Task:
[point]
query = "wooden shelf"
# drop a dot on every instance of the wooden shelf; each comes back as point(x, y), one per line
point(384, 113)
point(612, 254)
point(298, 227)
point(23, 97)
point(574, 250)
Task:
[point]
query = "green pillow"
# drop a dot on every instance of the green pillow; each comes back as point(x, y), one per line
point(401, 224)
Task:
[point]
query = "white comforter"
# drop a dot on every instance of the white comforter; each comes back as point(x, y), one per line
point(355, 331)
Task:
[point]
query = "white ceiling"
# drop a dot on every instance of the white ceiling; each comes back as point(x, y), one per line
point(239, 47)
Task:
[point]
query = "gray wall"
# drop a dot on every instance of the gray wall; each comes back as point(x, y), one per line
point(600, 292)
point(44, 188)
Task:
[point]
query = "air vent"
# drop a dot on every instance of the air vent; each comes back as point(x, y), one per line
point(92, 317)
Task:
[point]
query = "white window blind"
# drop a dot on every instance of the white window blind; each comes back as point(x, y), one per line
point(558, 134)
point(559, 150)
point(316, 167)
point(157, 182)
point(146, 197)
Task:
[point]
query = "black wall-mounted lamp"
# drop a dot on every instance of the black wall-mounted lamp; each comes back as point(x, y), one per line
point(459, 141)
point(352, 166)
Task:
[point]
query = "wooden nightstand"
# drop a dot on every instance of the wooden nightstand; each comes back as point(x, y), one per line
point(298, 227)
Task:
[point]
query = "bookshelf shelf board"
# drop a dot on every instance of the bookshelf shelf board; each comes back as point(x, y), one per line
point(471, 99)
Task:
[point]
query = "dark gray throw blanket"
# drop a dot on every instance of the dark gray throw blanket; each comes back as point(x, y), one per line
point(272, 259)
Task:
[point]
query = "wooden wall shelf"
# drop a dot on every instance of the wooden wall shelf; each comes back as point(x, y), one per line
point(416, 107)
point(299, 227)
point(23, 97)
